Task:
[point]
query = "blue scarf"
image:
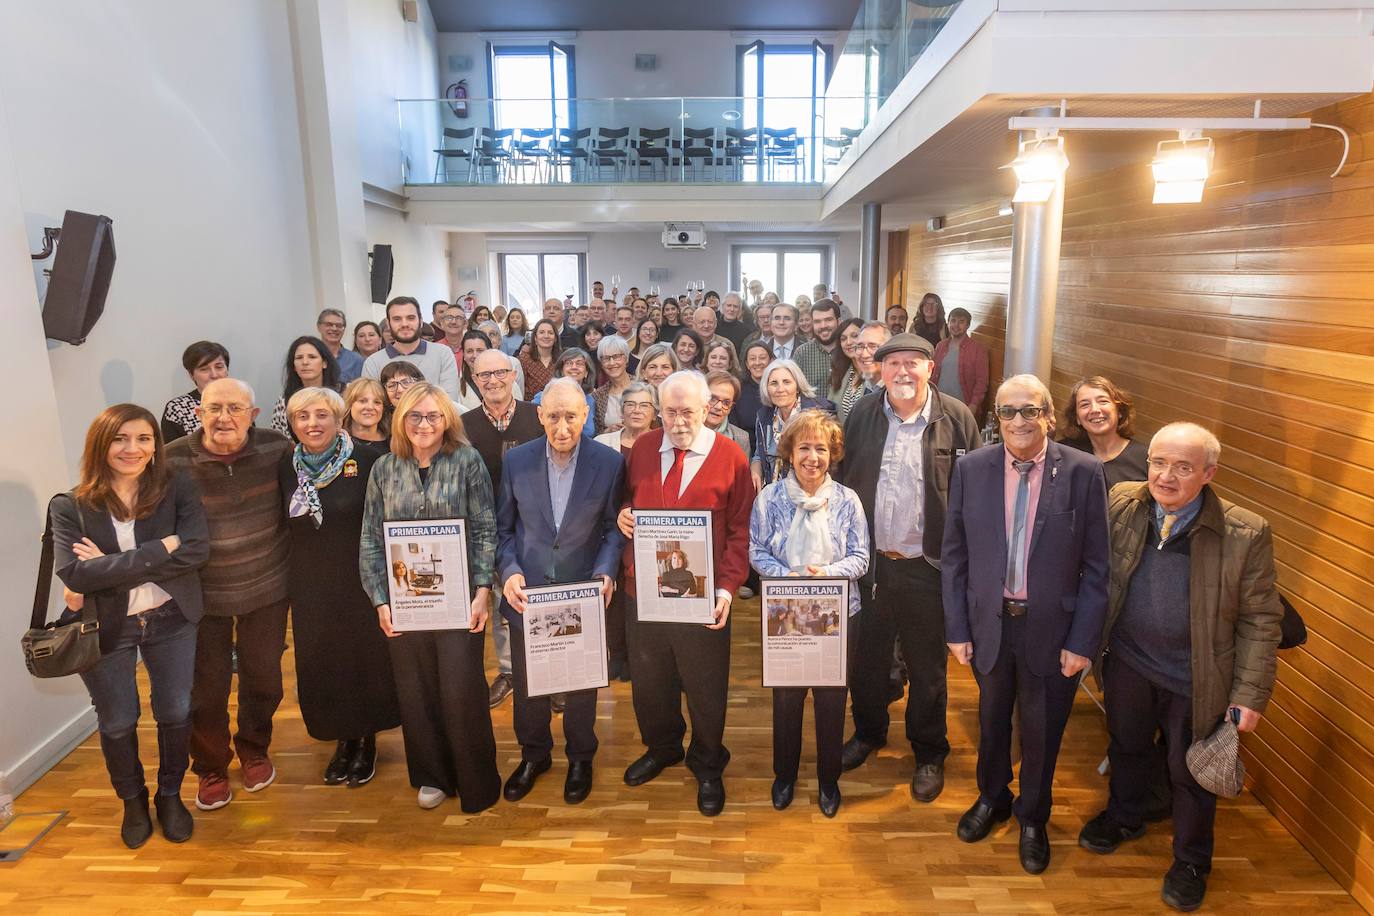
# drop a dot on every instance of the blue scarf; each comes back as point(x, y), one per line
point(314, 472)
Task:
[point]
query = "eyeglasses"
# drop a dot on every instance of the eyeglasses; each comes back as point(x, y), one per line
point(453, 318)
point(686, 413)
point(614, 358)
point(399, 384)
point(1030, 411)
point(865, 347)
point(233, 410)
point(333, 325)
point(421, 419)
point(498, 374)
point(722, 402)
point(636, 405)
point(1182, 470)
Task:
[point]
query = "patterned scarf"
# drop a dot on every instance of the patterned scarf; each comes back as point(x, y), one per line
point(808, 540)
point(314, 472)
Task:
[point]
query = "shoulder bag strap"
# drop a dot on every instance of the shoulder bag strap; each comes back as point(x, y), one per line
point(42, 589)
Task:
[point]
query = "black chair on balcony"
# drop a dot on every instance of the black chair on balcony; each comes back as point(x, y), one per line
point(741, 149)
point(611, 149)
point(460, 148)
point(493, 151)
point(652, 148)
point(782, 147)
point(698, 146)
point(534, 150)
point(571, 150)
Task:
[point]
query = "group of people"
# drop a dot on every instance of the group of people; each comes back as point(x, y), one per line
point(838, 456)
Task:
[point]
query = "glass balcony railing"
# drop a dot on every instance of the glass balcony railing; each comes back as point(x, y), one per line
point(613, 141)
point(768, 140)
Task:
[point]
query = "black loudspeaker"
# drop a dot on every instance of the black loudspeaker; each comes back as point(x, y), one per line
point(80, 277)
point(383, 269)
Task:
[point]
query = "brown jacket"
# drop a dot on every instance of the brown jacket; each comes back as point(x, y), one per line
point(1235, 608)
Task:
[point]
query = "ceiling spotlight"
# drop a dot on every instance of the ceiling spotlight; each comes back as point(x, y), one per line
point(1039, 166)
point(1181, 167)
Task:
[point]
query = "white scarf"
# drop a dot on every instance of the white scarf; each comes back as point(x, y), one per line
point(808, 540)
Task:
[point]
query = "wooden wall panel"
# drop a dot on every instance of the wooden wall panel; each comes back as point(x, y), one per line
point(1252, 313)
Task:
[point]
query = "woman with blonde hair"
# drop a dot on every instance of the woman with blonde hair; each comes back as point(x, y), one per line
point(433, 473)
point(343, 670)
point(130, 538)
point(721, 356)
point(657, 363)
point(365, 411)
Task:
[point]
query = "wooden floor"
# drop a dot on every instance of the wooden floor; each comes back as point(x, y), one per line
point(302, 847)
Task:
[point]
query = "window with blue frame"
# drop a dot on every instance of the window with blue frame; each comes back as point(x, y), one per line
point(531, 85)
point(782, 90)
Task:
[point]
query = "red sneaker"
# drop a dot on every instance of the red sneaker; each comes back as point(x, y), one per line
point(258, 774)
point(214, 792)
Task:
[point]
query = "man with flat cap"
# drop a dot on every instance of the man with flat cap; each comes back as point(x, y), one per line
point(901, 443)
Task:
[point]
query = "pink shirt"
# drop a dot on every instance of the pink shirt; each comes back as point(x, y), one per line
point(1011, 480)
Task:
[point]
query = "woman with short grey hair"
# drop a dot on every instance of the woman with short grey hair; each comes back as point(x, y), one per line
point(613, 353)
point(343, 666)
point(783, 393)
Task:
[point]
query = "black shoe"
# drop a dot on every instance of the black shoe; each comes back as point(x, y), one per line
point(648, 767)
point(1184, 886)
point(856, 751)
point(625, 674)
point(176, 822)
point(137, 826)
point(336, 774)
point(501, 688)
point(558, 702)
point(782, 793)
point(578, 783)
point(977, 822)
point(363, 766)
point(522, 780)
point(711, 796)
point(829, 799)
point(895, 690)
point(1104, 833)
point(1034, 849)
point(928, 782)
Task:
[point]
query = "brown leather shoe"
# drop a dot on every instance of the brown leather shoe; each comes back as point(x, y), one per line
point(928, 782)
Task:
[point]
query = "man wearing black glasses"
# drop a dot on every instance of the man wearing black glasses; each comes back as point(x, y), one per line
point(1025, 579)
point(901, 442)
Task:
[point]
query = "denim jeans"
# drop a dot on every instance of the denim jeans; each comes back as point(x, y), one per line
point(167, 642)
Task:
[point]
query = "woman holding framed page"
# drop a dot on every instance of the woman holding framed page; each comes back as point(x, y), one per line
point(430, 507)
point(807, 525)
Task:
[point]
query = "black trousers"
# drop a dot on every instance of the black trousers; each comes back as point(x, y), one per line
point(533, 715)
point(445, 716)
point(907, 606)
point(1044, 703)
point(1135, 709)
point(828, 709)
point(615, 622)
point(668, 660)
point(260, 638)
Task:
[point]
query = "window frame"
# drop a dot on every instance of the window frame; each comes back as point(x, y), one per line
point(580, 294)
point(545, 50)
point(780, 249)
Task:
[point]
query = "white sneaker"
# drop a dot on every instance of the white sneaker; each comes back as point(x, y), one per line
point(745, 592)
point(430, 797)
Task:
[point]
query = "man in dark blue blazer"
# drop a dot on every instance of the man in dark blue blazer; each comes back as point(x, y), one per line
point(1025, 573)
point(556, 522)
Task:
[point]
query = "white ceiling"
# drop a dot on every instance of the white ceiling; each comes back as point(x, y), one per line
point(623, 15)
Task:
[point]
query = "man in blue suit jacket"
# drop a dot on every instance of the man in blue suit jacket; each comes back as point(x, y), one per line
point(1025, 573)
point(556, 522)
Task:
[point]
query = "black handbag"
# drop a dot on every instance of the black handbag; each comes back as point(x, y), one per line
point(60, 648)
point(1292, 628)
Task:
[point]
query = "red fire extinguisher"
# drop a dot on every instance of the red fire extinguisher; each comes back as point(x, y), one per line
point(457, 93)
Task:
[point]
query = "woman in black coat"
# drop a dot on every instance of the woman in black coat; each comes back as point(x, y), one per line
point(130, 538)
point(343, 666)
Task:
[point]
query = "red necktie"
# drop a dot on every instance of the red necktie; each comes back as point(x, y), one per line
point(672, 482)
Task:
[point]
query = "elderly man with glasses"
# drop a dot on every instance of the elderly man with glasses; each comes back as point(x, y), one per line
point(1025, 569)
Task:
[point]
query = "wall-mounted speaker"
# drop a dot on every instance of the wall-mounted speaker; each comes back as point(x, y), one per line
point(80, 277)
point(659, 274)
point(410, 10)
point(646, 61)
point(383, 272)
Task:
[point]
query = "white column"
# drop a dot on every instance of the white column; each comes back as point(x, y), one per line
point(870, 249)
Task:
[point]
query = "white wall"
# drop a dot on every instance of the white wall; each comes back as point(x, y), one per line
point(632, 254)
point(420, 255)
point(193, 148)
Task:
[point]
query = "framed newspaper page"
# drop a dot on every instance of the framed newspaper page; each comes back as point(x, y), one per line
point(805, 632)
point(428, 565)
point(565, 638)
point(674, 566)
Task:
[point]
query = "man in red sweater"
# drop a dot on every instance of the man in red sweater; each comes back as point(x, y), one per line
point(669, 658)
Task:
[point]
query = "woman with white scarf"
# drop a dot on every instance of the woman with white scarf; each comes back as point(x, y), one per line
point(805, 524)
point(343, 665)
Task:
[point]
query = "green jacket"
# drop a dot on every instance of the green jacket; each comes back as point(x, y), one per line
point(459, 487)
point(1234, 607)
